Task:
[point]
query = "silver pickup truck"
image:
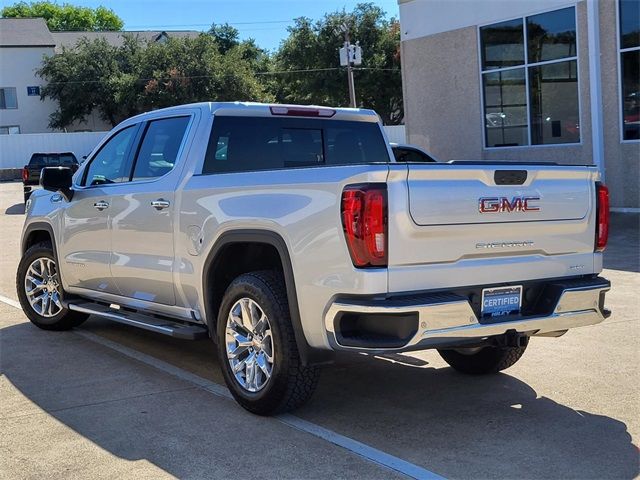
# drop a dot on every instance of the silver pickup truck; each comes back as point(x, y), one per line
point(287, 233)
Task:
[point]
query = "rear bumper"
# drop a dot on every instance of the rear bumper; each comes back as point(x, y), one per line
point(438, 320)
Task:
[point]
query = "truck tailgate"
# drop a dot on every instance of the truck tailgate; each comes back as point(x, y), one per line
point(486, 223)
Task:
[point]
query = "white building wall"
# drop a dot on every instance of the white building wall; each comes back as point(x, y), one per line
point(18, 69)
point(16, 150)
point(419, 18)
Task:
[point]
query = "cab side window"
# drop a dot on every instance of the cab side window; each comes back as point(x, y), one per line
point(160, 145)
point(110, 163)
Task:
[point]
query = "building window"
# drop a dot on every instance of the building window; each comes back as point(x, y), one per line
point(8, 98)
point(9, 130)
point(530, 80)
point(629, 16)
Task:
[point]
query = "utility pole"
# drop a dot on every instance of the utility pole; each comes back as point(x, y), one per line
point(350, 55)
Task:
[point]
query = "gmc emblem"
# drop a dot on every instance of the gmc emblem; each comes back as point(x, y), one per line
point(503, 204)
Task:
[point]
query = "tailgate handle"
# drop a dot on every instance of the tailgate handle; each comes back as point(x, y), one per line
point(510, 177)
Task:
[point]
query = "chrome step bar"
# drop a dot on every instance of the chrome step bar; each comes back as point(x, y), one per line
point(147, 322)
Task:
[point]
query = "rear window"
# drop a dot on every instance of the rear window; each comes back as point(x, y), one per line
point(52, 160)
point(239, 144)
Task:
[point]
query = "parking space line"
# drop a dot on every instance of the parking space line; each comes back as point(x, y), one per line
point(361, 449)
point(11, 302)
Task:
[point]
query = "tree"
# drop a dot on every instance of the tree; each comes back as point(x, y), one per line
point(118, 82)
point(66, 17)
point(314, 46)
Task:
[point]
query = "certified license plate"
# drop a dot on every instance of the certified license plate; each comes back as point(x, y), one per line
point(501, 301)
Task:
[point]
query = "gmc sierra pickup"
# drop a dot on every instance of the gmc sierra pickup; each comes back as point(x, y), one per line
point(286, 233)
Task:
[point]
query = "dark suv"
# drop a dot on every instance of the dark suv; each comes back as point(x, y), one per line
point(31, 172)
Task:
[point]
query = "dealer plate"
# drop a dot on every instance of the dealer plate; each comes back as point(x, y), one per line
point(501, 301)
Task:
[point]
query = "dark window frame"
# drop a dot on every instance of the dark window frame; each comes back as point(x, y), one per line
point(526, 67)
point(621, 53)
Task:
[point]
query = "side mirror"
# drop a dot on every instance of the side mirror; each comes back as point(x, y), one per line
point(57, 179)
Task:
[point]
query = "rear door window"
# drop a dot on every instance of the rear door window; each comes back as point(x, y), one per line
point(160, 146)
point(240, 144)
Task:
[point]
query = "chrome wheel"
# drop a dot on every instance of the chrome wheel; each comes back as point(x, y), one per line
point(42, 287)
point(249, 345)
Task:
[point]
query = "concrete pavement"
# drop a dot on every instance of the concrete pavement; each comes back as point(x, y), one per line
point(569, 408)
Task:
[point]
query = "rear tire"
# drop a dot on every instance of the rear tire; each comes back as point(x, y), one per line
point(257, 347)
point(484, 361)
point(40, 291)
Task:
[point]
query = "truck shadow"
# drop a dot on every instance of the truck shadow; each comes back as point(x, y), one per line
point(622, 251)
point(17, 209)
point(455, 425)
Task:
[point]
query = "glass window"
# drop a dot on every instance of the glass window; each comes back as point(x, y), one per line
point(554, 103)
point(110, 163)
point(630, 68)
point(629, 23)
point(10, 130)
point(505, 108)
point(159, 150)
point(551, 35)
point(502, 44)
point(8, 98)
point(52, 159)
point(262, 143)
point(355, 143)
point(302, 147)
point(631, 95)
point(537, 103)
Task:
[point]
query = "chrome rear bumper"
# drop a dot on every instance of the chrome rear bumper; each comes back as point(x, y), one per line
point(447, 319)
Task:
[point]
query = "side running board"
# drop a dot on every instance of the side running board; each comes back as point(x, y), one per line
point(147, 322)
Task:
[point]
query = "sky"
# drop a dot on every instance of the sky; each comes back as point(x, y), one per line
point(265, 21)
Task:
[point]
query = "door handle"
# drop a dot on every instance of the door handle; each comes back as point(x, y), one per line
point(160, 204)
point(101, 205)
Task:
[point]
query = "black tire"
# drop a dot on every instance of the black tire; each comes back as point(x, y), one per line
point(291, 384)
point(65, 319)
point(487, 360)
point(27, 195)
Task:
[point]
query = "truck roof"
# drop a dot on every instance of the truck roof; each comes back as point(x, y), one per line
point(254, 109)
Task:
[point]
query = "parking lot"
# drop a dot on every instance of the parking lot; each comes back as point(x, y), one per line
point(107, 400)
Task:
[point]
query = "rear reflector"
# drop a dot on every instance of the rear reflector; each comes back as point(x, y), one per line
point(301, 111)
point(364, 219)
point(602, 217)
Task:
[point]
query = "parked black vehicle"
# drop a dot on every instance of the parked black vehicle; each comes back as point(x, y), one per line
point(31, 171)
point(410, 154)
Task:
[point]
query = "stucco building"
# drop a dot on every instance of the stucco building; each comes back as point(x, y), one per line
point(24, 42)
point(545, 80)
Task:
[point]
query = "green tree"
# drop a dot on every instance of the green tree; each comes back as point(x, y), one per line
point(118, 82)
point(66, 17)
point(314, 46)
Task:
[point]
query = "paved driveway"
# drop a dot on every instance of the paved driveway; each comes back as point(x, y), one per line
point(106, 400)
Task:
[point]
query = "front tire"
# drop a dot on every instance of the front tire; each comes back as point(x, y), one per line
point(257, 347)
point(483, 361)
point(40, 291)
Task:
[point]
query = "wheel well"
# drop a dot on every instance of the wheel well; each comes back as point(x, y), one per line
point(231, 261)
point(36, 236)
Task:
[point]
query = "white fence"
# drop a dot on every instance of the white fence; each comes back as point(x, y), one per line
point(396, 133)
point(15, 150)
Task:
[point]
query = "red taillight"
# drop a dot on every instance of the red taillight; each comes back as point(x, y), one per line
point(364, 218)
point(25, 174)
point(602, 217)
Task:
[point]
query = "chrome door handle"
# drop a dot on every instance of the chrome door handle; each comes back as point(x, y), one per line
point(160, 204)
point(101, 205)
